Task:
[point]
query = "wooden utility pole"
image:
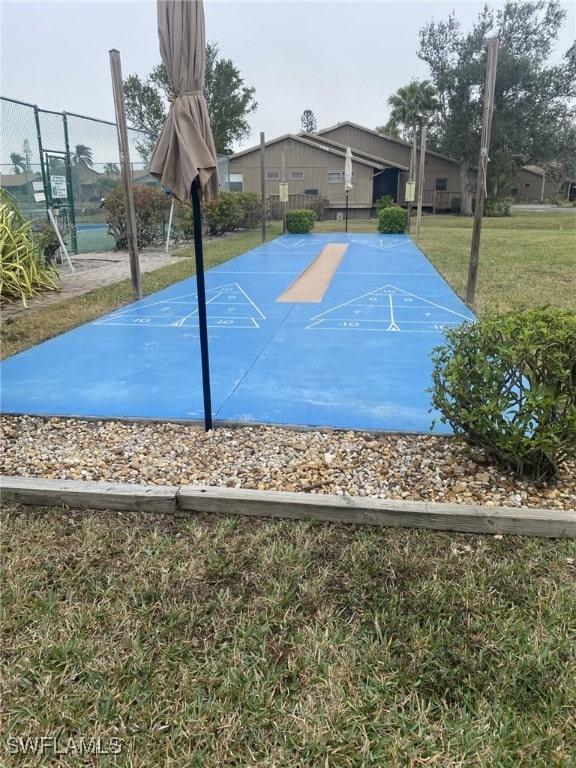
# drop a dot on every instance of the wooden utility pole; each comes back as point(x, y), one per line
point(421, 181)
point(482, 168)
point(263, 185)
point(118, 90)
point(412, 174)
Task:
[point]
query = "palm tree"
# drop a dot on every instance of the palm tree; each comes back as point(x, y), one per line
point(111, 169)
point(412, 106)
point(56, 165)
point(82, 156)
point(19, 163)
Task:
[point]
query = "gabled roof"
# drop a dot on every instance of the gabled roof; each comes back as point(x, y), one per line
point(18, 179)
point(315, 142)
point(381, 136)
point(533, 169)
point(357, 154)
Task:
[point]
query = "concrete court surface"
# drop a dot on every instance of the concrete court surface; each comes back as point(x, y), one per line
point(357, 359)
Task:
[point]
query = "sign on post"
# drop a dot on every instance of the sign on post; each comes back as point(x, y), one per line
point(284, 192)
point(58, 187)
point(410, 191)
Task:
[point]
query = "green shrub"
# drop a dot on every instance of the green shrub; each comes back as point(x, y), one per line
point(47, 241)
point(232, 210)
point(386, 201)
point(249, 209)
point(456, 205)
point(496, 207)
point(392, 220)
point(152, 207)
point(300, 222)
point(508, 385)
point(23, 271)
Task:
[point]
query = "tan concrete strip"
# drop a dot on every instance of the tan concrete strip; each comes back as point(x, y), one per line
point(518, 521)
point(311, 285)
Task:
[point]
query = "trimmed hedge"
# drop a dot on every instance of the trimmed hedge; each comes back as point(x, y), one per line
point(392, 220)
point(300, 222)
point(507, 384)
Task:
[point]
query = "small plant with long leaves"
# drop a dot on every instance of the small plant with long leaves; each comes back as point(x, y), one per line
point(23, 271)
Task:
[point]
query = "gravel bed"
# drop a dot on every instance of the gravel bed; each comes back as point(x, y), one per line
point(392, 466)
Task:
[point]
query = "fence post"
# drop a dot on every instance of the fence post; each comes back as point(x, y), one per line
point(73, 234)
point(41, 157)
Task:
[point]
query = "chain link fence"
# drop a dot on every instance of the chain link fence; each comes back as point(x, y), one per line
point(67, 162)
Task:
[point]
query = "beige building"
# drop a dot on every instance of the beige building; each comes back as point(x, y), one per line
point(313, 166)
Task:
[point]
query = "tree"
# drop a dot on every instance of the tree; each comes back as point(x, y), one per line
point(56, 165)
point(27, 152)
point(19, 162)
point(82, 156)
point(228, 100)
point(530, 101)
point(393, 131)
point(412, 106)
point(111, 169)
point(560, 162)
point(308, 121)
point(22, 162)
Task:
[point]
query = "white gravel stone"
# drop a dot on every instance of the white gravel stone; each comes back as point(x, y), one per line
point(411, 467)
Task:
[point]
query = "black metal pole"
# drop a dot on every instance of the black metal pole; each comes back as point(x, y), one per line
point(346, 227)
point(201, 289)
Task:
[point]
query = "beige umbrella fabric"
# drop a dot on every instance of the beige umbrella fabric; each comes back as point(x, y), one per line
point(185, 149)
point(184, 158)
point(348, 176)
point(348, 170)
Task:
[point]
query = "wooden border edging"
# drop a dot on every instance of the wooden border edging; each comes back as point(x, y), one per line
point(369, 511)
point(123, 497)
point(85, 494)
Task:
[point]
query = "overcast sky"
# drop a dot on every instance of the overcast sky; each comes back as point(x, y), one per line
point(341, 59)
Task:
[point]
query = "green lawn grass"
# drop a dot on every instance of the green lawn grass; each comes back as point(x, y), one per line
point(240, 642)
point(525, 260)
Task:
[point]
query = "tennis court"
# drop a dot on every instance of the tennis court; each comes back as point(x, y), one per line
point(349, 348)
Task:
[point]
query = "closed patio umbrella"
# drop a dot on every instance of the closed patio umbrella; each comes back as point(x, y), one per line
point(347, 179)
point(184, 158)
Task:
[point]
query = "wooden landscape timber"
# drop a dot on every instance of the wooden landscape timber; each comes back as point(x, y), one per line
point(296, 506)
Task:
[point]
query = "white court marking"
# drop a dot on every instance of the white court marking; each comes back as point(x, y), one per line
point(227, 306)
point(381, 245)
point(388, 309)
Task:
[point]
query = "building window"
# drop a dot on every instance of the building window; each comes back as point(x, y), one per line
point(272, 175)
point(310, 191)
point(337, 177)
point(441, 185)
point(236, 182)
point(514, 191)
point(297, 175)
point(527, 186)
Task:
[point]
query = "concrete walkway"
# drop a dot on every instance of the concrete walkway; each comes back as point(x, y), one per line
point(93, 270)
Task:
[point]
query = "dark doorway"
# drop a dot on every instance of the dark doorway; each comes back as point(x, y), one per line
point(385, 183)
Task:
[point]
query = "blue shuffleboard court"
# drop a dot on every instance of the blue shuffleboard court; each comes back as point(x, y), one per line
point(357, 359)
